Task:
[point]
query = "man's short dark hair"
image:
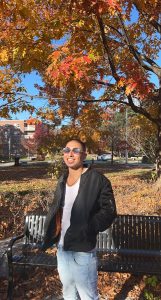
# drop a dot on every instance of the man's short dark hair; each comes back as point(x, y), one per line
point(83, 144)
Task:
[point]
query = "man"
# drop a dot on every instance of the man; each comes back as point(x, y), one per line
point(83, 205)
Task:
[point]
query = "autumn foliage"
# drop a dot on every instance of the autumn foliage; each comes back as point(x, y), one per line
point(110, 46)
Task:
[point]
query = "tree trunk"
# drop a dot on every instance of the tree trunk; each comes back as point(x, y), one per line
point(17, 161)
point(112, 150)
point(158, 158)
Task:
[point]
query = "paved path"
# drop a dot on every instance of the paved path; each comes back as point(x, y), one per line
point(53, 298)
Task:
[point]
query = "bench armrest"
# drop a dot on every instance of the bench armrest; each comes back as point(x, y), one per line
point(14, 239)
point(10, 246)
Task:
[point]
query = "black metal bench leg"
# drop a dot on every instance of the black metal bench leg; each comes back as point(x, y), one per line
point(10, 275)
point(10, 284)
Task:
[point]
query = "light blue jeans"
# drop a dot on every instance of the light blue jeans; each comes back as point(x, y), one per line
point(78, 274)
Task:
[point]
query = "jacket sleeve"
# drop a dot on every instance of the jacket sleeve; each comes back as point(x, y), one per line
point(106, 212)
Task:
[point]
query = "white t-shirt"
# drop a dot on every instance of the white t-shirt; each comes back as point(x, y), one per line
point(70, 195)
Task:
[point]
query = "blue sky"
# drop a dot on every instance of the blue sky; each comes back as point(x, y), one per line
point(28, 82)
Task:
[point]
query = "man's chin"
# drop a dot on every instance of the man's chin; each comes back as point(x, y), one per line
point(74, 167)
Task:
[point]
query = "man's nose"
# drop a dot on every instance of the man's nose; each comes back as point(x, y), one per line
point(71, 152)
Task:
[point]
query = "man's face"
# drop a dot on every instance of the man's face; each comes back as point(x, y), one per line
point(74, 155)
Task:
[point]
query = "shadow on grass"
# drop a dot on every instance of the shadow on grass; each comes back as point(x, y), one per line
point(23, 173)
point(152, 292)
point(116, 168)
point(129, 284)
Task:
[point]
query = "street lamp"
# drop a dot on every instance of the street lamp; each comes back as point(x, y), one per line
point(7, 135)
point(28, 152)
point(126, 136)
point(9, 147)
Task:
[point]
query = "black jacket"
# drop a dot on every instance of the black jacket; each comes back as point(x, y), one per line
point(94, 210)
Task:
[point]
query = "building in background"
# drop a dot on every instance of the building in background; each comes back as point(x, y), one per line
point(14, 134)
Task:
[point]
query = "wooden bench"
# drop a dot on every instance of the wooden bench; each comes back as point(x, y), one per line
point(131, 245)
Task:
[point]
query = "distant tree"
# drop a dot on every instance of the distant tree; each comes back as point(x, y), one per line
point(142, 137)
point(30, 146)
point(84, 123)
point(36, 145)
point(40, 137)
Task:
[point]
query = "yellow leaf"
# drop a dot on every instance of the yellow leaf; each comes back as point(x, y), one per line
point(80, 23)
point(3, 56)
point(15, 52)
point(23, 53)
point(121, 82)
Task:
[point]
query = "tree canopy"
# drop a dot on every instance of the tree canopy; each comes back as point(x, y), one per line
point(81, 46)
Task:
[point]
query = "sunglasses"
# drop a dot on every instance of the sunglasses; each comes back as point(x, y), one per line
point(74, 150)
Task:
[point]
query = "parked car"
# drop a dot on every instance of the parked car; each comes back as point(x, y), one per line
point(104, 156)
point(33, 158)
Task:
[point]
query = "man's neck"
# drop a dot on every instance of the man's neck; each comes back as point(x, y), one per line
point(74, 175)
point(75, 172)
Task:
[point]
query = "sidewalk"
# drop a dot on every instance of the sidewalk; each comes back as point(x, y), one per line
point(53, 298)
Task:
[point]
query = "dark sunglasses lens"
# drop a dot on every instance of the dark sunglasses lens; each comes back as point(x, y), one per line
point(66, 150)
point(76, 150)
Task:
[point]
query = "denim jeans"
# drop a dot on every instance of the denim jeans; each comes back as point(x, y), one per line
point(78, 274)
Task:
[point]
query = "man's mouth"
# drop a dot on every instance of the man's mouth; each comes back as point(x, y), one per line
point(70, 159)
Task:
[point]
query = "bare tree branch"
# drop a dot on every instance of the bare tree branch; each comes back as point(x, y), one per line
point(153, 22)
point(105, 44)
point(135, 52)
point(103, 83)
